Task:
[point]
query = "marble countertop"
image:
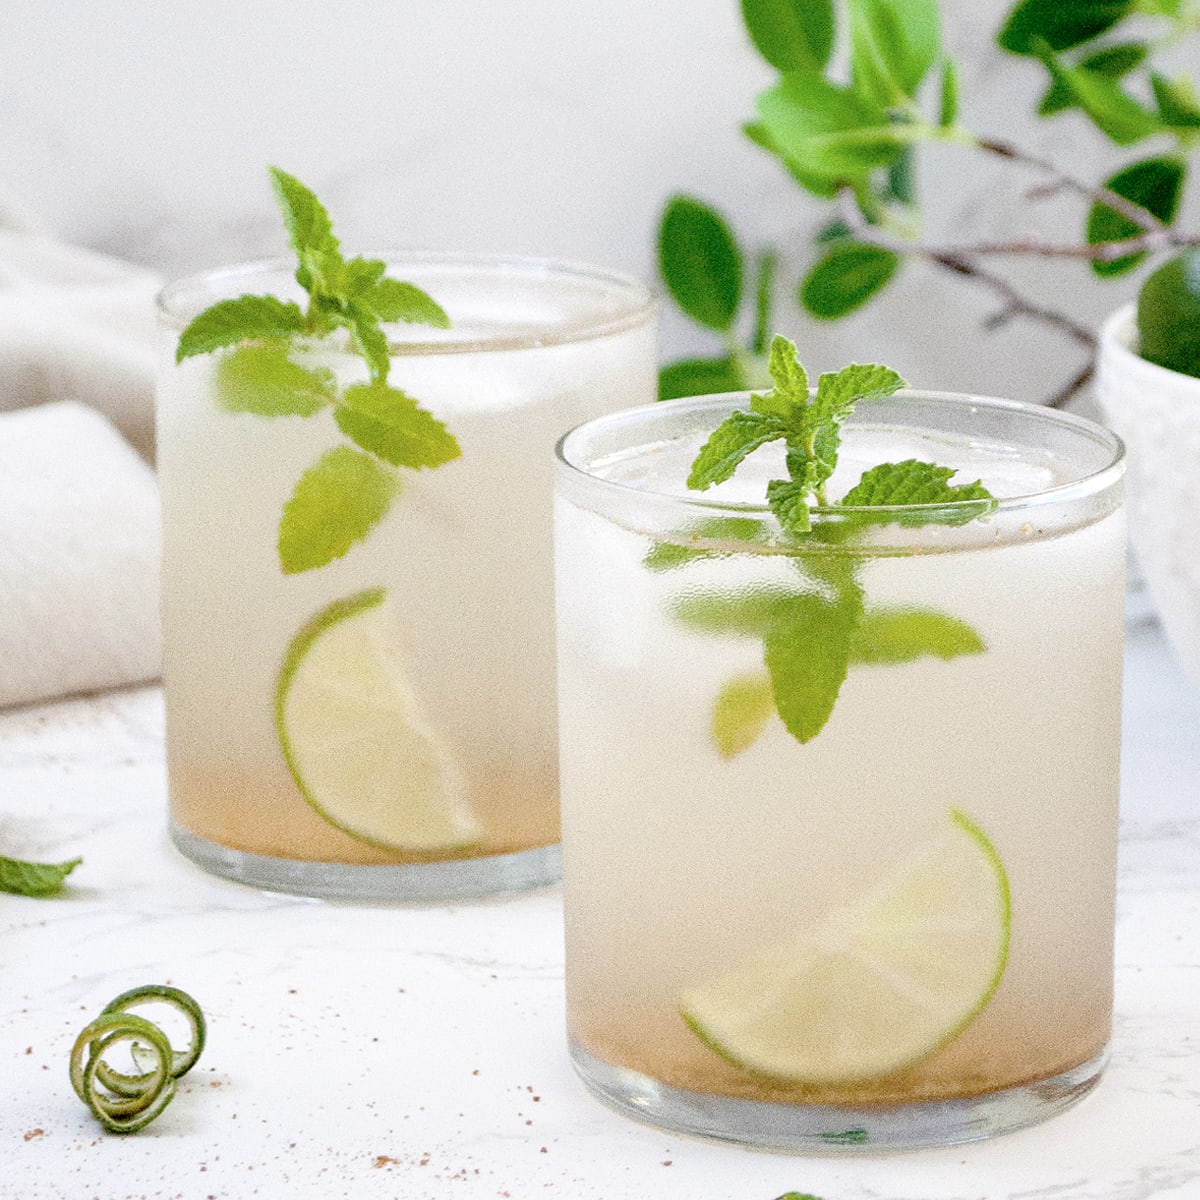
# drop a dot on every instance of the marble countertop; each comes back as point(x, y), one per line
point(374, 1052)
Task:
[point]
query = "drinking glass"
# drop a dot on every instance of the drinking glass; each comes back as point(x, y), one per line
point(381, 726)
point(840, 808)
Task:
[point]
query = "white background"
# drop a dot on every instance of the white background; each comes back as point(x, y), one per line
point(143, 127)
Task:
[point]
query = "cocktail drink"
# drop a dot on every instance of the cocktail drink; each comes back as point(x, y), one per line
point(359, 609)
point(840, 806)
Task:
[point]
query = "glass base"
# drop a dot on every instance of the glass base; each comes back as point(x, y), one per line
point(428, 883)
point(829, 1129)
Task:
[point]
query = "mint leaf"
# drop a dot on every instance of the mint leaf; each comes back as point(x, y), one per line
point(839, 392)
point(245, 318)
point(745, 613)
point(807, 652)
point(260, 378)
point(890, 636)
point(34, 879)
point(788, 500)
point(788, 399)
point(370, 341)
point(740, 713)
point(394, 300)
point(336, 503)
point(394, 427)
point(912, 482)
point(311, 234)
point(359, 276)
point(665, 556)
point(739, 434)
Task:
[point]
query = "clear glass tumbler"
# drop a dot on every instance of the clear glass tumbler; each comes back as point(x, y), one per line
point(893, 927)
point(382, 726)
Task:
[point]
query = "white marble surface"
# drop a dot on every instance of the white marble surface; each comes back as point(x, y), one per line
point(390, 1052)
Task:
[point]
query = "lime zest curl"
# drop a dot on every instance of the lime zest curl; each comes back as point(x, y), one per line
point(125, 1102)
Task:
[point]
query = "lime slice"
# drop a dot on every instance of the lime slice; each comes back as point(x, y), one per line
point(874, 987)
point(355, 739)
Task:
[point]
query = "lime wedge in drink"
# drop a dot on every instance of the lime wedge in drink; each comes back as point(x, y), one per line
point(355, 739)
point(874, 987)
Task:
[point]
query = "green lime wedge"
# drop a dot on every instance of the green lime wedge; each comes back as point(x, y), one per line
point(356, 739)
point(1168, 314)
point(877, 986)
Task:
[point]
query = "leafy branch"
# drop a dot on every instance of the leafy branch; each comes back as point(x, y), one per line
point(851, 141)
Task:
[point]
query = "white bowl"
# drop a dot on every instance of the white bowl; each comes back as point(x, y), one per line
point(1156, 413)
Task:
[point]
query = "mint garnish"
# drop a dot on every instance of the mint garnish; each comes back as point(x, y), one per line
point(34, 879)
point(809, 425)
point(814, 633)
point(259, 337)
point(337, 502)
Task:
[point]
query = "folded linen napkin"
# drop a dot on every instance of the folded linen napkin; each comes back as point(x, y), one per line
point(79, 556)
point(76, 325)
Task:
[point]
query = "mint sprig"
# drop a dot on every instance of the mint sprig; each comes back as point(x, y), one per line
point(813, 634)
point(22, 878)
point(810, 425)
point(261, 339)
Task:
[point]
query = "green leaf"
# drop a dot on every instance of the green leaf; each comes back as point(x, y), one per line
point(370, 341)
point(393, 426)
point(700, 262)
point(726, 532)
point(394, 300)
point(1154, 183)
point(336, 503)
point(310, 232)
point(838, 392)
point(1176, 100)
point(826, 129)
point(788, 399)
point(1114, 62)
point(260, 378)
point(745, 613)
point(792, 35)
point(741, 711)
point(246, 318)
point(889, 636)
point(948, 101)
point(893, 44)
point(360, 275)
point(789, 501)
point(1115, 113)
point(919, 483)
point(738, 435)
point(845, 278)
point(807, 652)
point(34, 879)
point(699, 377)
point(1060, 24)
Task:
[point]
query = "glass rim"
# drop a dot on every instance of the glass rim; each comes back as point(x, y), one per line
point(643, 301)
point(1092, 483)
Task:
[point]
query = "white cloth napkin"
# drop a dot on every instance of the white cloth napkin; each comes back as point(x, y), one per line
point(79, 516)
point(79, 556)
point(76, 325)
